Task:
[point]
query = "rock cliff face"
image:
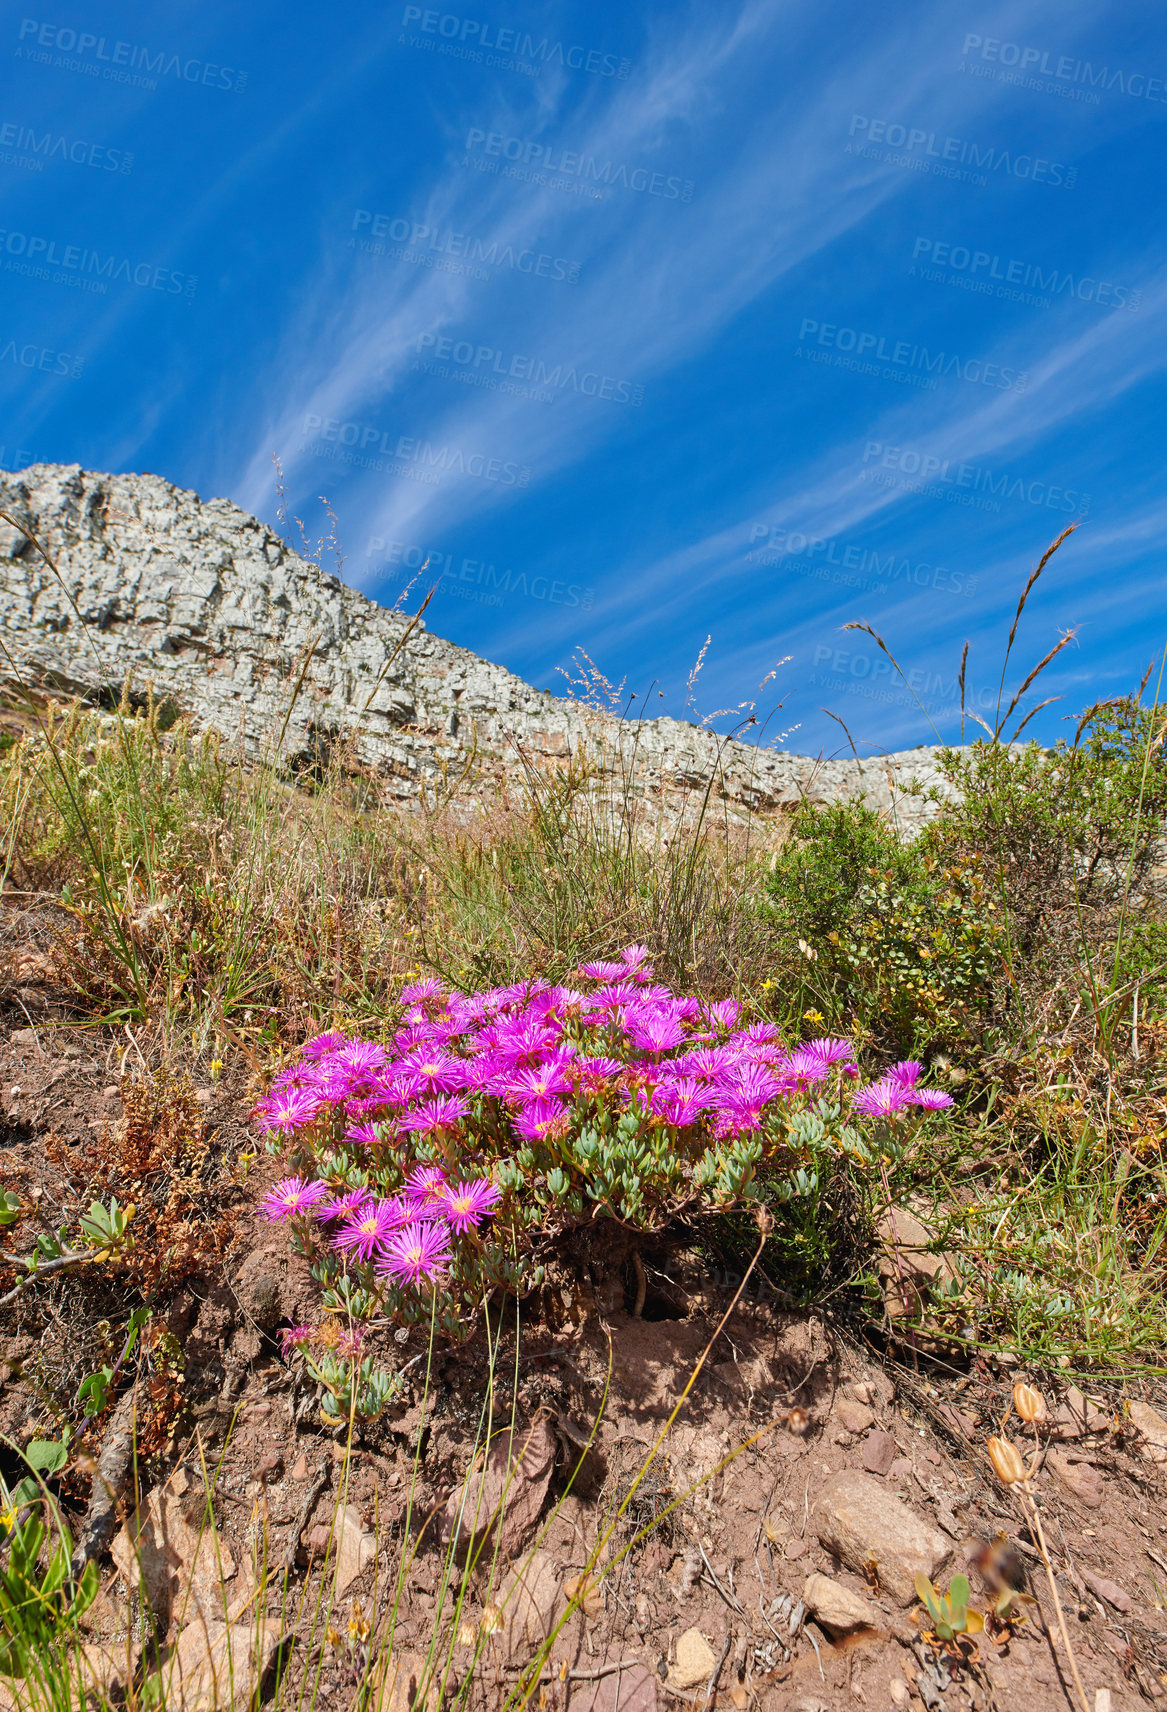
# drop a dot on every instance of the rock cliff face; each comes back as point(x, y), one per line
point(207, 604)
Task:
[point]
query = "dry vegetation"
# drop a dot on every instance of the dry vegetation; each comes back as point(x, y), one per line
point(173, 926)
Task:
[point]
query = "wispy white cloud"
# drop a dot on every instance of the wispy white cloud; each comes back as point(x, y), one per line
point(666, 281)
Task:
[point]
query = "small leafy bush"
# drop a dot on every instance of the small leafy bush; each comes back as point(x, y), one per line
point(886, 938)
point(430, 1173)
point(1068, 840)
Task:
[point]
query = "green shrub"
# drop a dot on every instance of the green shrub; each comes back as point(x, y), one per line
point(883, 937)
point(1069, 838)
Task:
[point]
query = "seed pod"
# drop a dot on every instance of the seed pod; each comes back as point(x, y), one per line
point(1006, 1460)
point(1029, 1402)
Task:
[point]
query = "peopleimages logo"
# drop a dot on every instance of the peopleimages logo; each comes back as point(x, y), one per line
point(88, 270)
point(418, 240)
point(975, 485)
point(119, 61)
point(42, 359)
point(544, 159)
point(979, 269)
point(949, 155)
point(34, 149)
point(462, 574)
point(850, 556)
point(863, 351)
point(859, 673)
point(513, 45)
point(1066, 69)
point(492, 368)
point(375, 442)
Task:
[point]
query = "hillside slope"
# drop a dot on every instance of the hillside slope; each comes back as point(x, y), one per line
point(213, 608)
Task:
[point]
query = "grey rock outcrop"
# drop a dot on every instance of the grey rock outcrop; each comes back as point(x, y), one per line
point(213, 609)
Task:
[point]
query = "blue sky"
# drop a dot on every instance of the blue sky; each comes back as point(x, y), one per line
point(647, 324)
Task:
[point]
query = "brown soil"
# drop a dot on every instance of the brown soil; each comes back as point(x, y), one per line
point(730, 1558)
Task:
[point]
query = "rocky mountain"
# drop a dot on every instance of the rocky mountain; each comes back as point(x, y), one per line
point(215, 610)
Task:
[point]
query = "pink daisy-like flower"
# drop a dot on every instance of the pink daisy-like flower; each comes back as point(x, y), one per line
point(708, 1061)
point(539, 1081)
point(291, 1337)
point(680, 1102)
point(634, 955)
point(367, 1134)
point(803, 1066)
point(291, 1198)
point(759, 1031)
point(360, 1059)
point(417, 1254)
point(603, 971)
point(466, 1206)
point(322, 1044)
point(417, 992)
point(881, 1099)
point(616, 993)
point(599, 1068)
point(425, 1190)
point(342, 1206)
point(288, 1109)
point(429, 1071)
point(540, 1118)
point(742, 1100)
point(654, 1031)
point(724, 1014)
point(932, 1099)
point(447, 1111)
point(907, 1072)
point(832, 1051)
point(365, 1234)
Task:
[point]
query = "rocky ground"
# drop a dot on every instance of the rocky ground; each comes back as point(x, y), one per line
point(766, 1559)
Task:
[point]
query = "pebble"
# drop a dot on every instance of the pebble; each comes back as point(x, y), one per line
point(1077, 1477)
point(855, 1417)
point(862, 1523)
point(837, 1608)
point(880, 1452)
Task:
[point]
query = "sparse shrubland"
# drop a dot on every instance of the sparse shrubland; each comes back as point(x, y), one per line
point(513, 1050)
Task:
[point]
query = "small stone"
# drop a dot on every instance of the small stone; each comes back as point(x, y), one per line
point(270, 1468)
point(901, 1469)
point(795, 1548)
point(871, 1530)
point(24, 1038)
point(880, 1452)
point(855, 1417)
point(204, 1096)
point(695, 1661)
point(1077, 1477)
point(1152, 1430)
point(110, 1093)
point(1109, 1591)
point(862, 1391)
point(838, 1609)
point(1076, 1415)
point(897, 1690)
point(299, 1468)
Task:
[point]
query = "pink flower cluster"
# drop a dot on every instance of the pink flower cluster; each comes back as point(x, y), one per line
point(535, 1055)
point(406, 1235)
point(895, 1090)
